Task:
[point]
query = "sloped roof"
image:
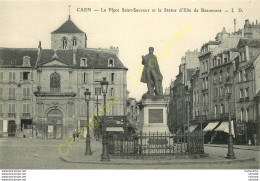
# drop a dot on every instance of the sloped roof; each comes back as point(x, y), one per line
point(95, 59)
point(14, 56)
point(68, 27)
point(249, 42)
point(226, 44)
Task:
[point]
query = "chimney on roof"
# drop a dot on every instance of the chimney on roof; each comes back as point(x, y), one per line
point(235, 24)
point(39, 47)
point(246, 22)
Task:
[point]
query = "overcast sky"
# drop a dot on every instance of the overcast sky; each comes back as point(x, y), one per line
point(23, 24)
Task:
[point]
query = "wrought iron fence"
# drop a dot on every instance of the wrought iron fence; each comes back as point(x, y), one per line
point(153, 144)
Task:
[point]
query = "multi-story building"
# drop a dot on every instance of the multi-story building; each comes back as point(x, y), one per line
point(195, 94)
point(246, 88)
point(177, 115)
point(42, 90)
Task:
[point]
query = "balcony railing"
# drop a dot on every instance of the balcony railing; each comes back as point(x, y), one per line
point(11, 115)
point(26, 115)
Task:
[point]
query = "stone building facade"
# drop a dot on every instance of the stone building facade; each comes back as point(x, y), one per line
point(247, 87)
point(43, 89)
point(226, 83)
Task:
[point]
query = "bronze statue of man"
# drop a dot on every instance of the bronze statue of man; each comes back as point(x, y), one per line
point(151, 73)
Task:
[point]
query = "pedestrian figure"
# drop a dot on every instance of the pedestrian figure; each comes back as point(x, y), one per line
point(74, 135)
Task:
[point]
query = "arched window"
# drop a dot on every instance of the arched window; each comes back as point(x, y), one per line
point(74, 42)
point(55, 82)
point(64, 43)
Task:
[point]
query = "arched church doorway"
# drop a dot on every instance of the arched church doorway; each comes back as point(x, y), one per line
point(55, 127)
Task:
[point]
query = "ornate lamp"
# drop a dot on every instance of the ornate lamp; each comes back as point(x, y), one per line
point(104, 155)
point(87, 94)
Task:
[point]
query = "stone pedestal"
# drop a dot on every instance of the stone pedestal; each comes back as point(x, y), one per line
point(153, 115)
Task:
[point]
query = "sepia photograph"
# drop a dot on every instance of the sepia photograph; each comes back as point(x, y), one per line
point(129, 85)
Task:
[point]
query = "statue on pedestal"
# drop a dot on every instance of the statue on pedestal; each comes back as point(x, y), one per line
point(151, 74)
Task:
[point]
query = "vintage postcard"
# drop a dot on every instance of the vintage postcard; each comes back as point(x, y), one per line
point(129, 85)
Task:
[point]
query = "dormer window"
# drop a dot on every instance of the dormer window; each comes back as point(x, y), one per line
point(26, 61)
point(111, 62)
point(83, 62)
point(64, 43)
point(74, 42)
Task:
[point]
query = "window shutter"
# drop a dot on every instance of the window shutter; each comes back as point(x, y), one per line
point(28, 92)
point(24, 108)
point(10, 108)
point(13, 108)
point(21, 75)
point(115, 78)
point(28, 108)
point(13, 93)
point(82, 77)
point(1, 76)
point(10, 76)
point(32, 75)
point(85, 77)
point(13, 76)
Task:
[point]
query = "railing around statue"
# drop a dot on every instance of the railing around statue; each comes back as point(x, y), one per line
point(156, 144)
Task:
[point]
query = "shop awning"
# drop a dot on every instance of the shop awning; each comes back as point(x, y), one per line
point(192, 128)
point(210, 126)
point(224, 127)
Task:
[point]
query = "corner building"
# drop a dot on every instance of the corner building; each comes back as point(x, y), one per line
point(42, 90)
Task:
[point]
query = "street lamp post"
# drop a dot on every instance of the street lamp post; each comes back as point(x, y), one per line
point(230, 154)
point(187, 97)
point(87, 94)
point(104, 155)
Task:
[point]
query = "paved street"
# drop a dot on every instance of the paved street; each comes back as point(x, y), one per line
point(44, 154)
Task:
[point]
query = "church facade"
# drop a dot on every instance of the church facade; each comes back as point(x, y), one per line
point(42, 90)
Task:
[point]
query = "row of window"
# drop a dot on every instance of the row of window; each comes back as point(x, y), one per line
point(205, 83)
point(98, 78)
point(244, 93)
point(205, 67)
point(244, 113)
point(205, 99)
point(84, 62)
point(220, 109)
point(243, 75)
point(12, 93)
point(220, 60)
point(24, 75)
point(12, 108)
point(65, 42)
point(196, 97)
point(220, 78)
point(98, 91)
point(221, 91)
